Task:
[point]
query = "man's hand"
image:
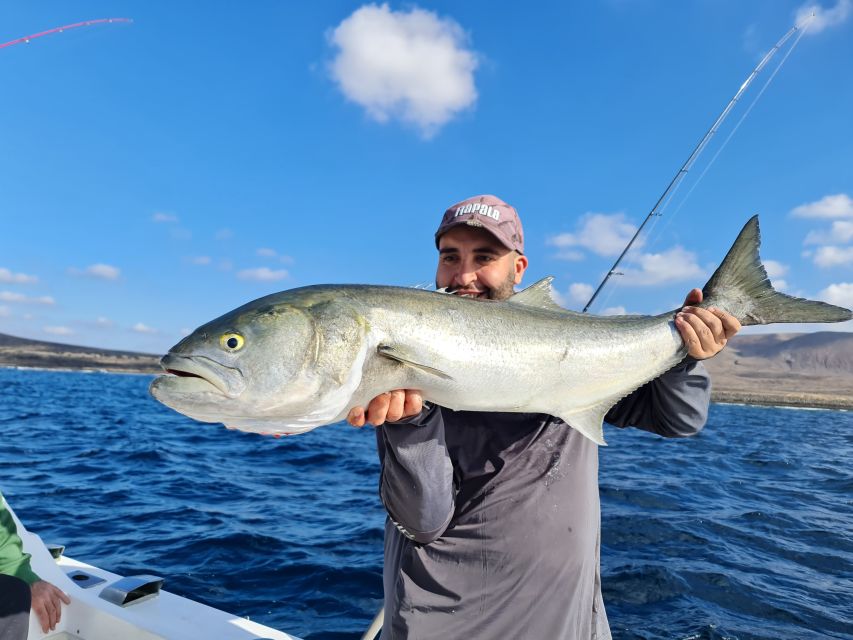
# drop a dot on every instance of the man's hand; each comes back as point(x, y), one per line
point(704, 331)
point(392, 406)
point(47, 604)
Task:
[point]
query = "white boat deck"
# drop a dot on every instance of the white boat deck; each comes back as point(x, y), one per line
point(149, 614)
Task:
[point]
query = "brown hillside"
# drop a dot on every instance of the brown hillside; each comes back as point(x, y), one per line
point(21, 352)
point(802, 369)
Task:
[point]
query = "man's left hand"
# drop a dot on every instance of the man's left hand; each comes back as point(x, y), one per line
point(704, 331)
point(47, 604)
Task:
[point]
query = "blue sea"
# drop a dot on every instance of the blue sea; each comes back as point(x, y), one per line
point(743, 532)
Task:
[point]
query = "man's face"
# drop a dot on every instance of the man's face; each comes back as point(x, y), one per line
point(472, 262)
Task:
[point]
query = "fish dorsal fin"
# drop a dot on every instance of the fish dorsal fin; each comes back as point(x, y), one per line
point(399, 355)
point(539, 295)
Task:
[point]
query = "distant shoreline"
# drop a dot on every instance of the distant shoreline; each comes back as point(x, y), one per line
point(749, 398)
point(836, 402)
point(37, 354)
point(772, 370)
point(130, 372)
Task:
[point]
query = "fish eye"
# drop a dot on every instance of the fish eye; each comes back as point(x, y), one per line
point(231, 341)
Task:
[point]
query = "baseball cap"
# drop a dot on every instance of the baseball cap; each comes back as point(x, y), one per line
point(489, 212)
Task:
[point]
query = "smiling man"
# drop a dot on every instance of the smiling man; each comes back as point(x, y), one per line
point(477, 261)
point(493, 526)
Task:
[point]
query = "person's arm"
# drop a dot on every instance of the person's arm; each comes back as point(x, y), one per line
point(674, 405)
point(46, 599)
point(13, 560)
point(416, 481)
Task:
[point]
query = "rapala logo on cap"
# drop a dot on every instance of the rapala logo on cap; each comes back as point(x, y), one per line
point(479, 207)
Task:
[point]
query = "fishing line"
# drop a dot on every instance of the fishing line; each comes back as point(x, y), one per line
point(62, 29)
point(658, 234)
point(666, 196)
point(729, 137)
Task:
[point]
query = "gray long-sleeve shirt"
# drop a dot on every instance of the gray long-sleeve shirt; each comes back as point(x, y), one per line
point(494, 522)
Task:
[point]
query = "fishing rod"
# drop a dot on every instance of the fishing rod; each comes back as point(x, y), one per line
point(67, 27)
point(695, 154)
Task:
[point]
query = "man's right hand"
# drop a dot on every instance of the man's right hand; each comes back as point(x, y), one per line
point(391, 407)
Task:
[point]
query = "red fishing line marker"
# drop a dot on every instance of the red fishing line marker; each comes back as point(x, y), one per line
point(76, 25)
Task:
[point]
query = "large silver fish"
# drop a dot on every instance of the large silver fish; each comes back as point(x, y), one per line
point(292, 361)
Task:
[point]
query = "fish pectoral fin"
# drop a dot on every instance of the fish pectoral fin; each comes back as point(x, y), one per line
point(400, 355)
point(589, 421)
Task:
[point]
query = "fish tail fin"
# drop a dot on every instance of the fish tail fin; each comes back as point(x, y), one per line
point(741, 287)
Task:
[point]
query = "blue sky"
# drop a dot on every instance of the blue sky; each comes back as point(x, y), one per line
point(157, 174)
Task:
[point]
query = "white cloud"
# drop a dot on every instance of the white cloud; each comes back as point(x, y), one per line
point(103, 271)
point(201, 260)
point(58, 331)
point(839, 205)
point(262, 274)
point(11, 296)
point(5, 312)
point(164, 217)
point(840, 233)
point(614, 311)
point(750, 39)
point(16, 278)
point(840, 294)
point(674, 265)
point(601, 233)
point(571, 255)
point(143, 328)
point(266, 252)
point(104, 322)
point(775, 271)
point(780, 284)
point(100, 271)
point(411, 65)
point(823, 18)
point(580, 292)
point(833, 256)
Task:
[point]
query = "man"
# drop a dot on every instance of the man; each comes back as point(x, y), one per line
point(494, 523)
point(20, 588)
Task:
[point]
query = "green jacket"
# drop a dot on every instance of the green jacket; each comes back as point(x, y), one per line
point(13, 560)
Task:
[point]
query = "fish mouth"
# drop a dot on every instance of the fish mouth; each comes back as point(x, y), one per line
point(229, 381)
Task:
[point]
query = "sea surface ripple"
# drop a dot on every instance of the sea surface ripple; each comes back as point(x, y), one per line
point(744, 532)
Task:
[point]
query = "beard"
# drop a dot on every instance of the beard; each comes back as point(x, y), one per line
point(503, 291)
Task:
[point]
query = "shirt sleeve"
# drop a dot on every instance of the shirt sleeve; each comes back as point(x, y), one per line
point(674, 405)
point(13, 560)
point(416, 478)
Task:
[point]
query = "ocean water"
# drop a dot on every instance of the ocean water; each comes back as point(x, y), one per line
point(744, 532)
